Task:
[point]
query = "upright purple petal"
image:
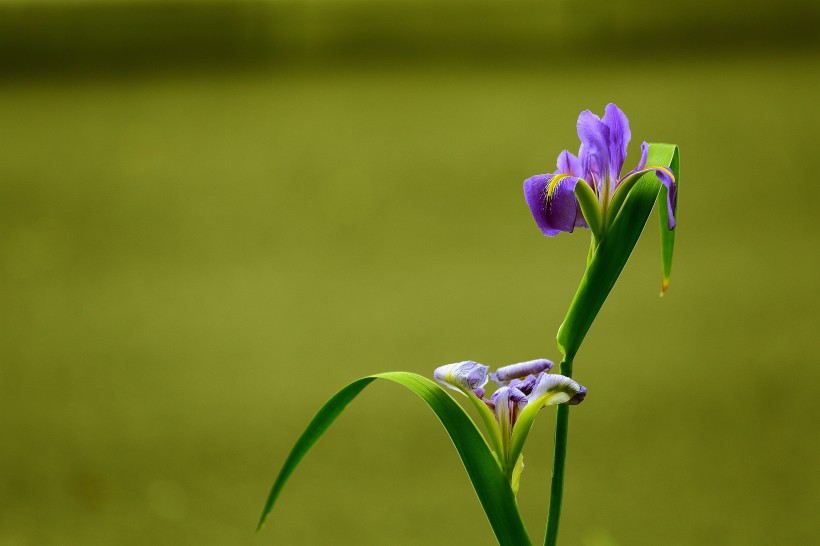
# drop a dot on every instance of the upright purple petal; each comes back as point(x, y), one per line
point(569, 164)
point(619, 136)
point(641, 164)
point(644, 155)
point(507, 402)
point(594, 153)
point(552, 201)
point(510, 394)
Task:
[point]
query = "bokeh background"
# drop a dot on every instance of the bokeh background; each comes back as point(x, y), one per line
point(215, 214)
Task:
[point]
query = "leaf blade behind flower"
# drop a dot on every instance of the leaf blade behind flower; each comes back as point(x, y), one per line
point(614, 251)
point(668, 235)
point(485, 474)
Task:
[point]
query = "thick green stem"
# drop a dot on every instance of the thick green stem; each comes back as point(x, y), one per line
point(557, 485)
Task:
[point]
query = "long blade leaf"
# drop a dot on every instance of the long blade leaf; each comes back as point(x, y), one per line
point(488, 479)
point(613, 252)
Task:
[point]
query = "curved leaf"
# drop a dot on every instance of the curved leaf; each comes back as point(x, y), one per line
point(490, 484)
point(612, 253)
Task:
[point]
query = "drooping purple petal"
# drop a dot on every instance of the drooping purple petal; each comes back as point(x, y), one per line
point(619, 136)
point(664, 175)
point(594, 153)
point(578, 398)
point(554, 389)
point(535, 192)
point(552, 201)
point(522, 369)
point(462, 376)
point(668, 180)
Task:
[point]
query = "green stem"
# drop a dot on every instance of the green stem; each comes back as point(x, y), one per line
point(592, 247)
point(557, 485)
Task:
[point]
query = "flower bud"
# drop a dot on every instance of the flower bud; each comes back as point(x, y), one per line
point(462, 376)
point(522, 369)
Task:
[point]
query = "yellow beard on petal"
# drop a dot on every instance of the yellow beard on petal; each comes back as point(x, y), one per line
point(554, 183)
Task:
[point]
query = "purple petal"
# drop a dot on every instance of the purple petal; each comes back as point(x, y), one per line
point(569, 164)
point(524, 385)
point(503, 413)
point(644, 155)
point(479, 392)
point(517, 396)
point(594, 154)
point(535, 192)
point(668, 180)
point(510, 394)
point(557, 212)
point(523, 369)
point(641, 164)
point(578, 398)
point(507, 402)
point(619, 136)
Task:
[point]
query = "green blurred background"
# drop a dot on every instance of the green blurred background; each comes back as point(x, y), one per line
point(215, 214)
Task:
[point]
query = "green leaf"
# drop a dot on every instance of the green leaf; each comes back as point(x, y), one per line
point(488, 479)
point(613, 251)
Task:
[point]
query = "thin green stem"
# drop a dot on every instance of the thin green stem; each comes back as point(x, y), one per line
point(557, 485)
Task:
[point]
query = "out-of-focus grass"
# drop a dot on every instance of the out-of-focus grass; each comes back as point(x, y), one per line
point(190, 266)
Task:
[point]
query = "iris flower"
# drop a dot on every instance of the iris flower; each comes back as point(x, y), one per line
point(508, 415)
point(588, 190)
